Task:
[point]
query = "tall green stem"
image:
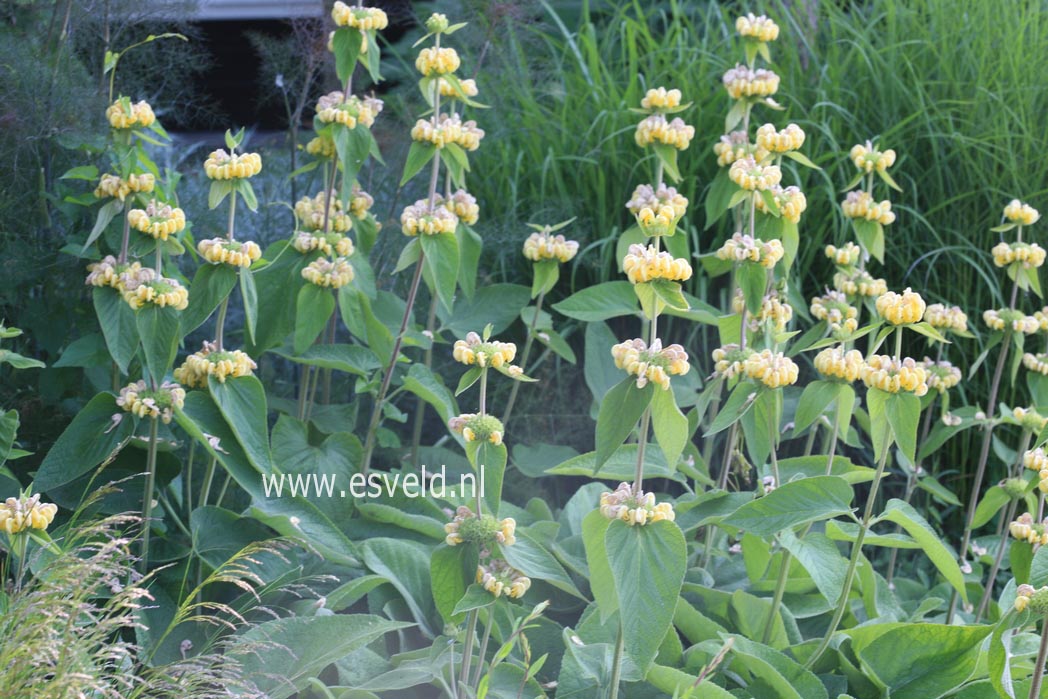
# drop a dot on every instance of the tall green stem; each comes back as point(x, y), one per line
point(524, 358)
point(853, 563)
point(380, 399)
point(147, 497)
point(616, 666)
point(1038, 668)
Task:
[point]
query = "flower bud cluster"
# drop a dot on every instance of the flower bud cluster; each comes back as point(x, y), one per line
point(211, 361)
point(140, 400)
point(860, 204)
point(950, 318)
point(840, 316)
point(655, 364)
point(157, 220)
point(643, 263)
point(221, 165)
point(230, 252)
point(742, 81)
point(26, 512)
point(546, 246)
point(901, 309)
point(742, 247)
point(634, 508)
point(330, 274)
point(773, 369)
point(839, 363)
point(478, 428)
point(886, 373)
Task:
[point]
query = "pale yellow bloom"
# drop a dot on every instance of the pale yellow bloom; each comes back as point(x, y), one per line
point(108, 272)
point(157, 220)
point(657, 129)
point(326, 273)
point(362, 18)
point(868, 159)
point(736, 146)
point(437, 61)
point(336, 108)
point(789, 139)
point(845, 256)
point(859, 282)
point(124, 114)
point(221, 165)
point(741, 247)
point(661, 98)
point(840, 316)
point(655, 364)
point(230, 252)
point(140, 400)
point(1023, 214)
point(758, 28)
point(26, 512)
point(211, 361)
point(644, 264)
point(420, 218)
point(946, 317)
point(773, 369)
point(742, 81)
point(884, 372)
point(144, 286)
point(546, 246)
point(901, 309)
point(1031, 255)
point(790, 200)
point(483, 353)
point(859, 204)
point(749, 174)
point(942, 375)
point(635, 508)
point(839, 363)
point(499, 578)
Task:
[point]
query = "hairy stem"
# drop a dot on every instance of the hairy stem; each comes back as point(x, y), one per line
point(523, 358)
point(1038, 668)
point(147, 497)
point(853, 563)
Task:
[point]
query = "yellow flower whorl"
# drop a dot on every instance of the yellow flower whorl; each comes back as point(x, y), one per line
point(221, 165)
point(901, 309)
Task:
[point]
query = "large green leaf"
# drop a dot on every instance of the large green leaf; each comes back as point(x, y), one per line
point(931, 542)
point(813, 402)
point(602, 585)
point(774, 671)
point(211, 284)
point(600, 302)
point(313, 309)
point(159, 329)
point(242, 402)
point(497, 305)
point(621, 466)
point(85, 443)
point(441, 254)
point(489, 461)
point(669, 424)
point(291, 516)
point(119, 326)
point(753, 280)
point(282, 656)
point(904, 413)
point(797, 502)
point(534, 560)
point(352, 359)
point(249, 292)
point(428, 386)
point(821, 558)
point(619, 412)
point(918, 661)
point(648, 565)
point(219, 534)
point(451, 570)
point(406, 565)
